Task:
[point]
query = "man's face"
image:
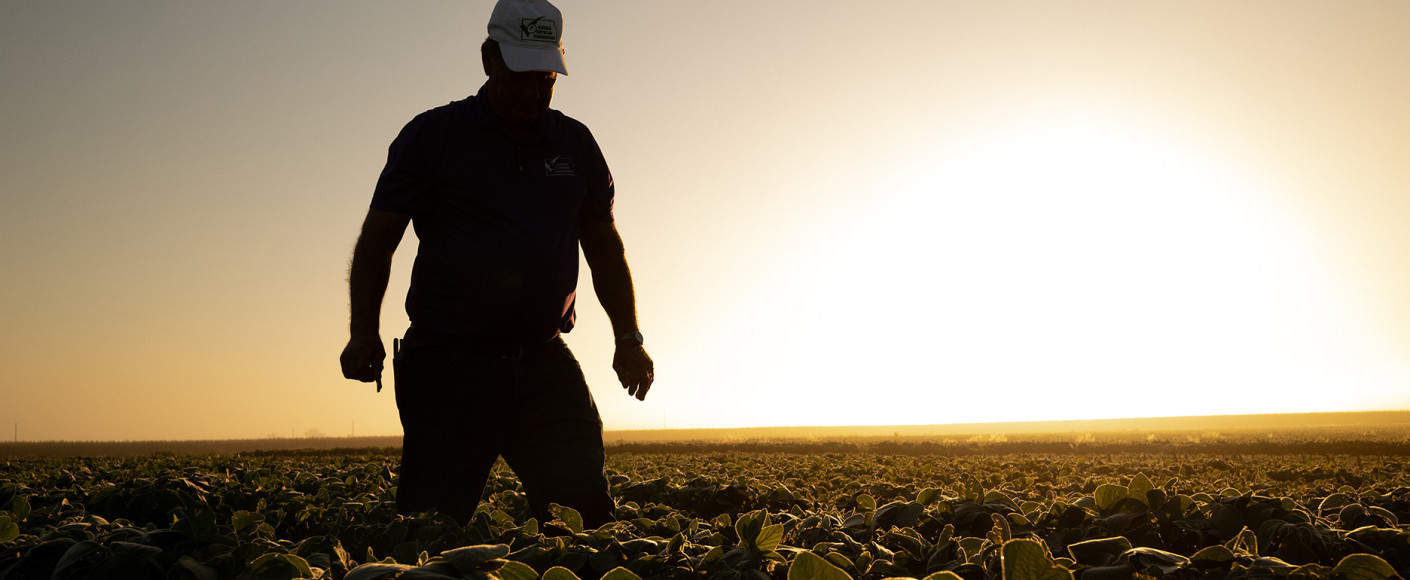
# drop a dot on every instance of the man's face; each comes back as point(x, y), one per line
point(519, 98)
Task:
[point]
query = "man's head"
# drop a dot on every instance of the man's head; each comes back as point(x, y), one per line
point(523, 56)
point(530, 35)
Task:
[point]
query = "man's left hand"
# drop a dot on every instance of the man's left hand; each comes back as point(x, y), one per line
point(635, 369)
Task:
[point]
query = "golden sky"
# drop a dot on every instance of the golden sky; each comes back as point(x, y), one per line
point(837, 212)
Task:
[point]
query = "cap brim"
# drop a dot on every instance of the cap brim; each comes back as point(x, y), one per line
point(523, 59)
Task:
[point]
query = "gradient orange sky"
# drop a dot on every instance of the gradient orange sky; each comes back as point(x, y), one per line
point(837, 213)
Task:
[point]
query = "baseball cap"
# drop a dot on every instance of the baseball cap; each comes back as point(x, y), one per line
point(530, 35)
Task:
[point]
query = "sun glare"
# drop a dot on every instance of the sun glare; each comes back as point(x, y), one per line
point(1053, 271)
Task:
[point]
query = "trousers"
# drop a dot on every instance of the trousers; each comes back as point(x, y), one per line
point(463, 405)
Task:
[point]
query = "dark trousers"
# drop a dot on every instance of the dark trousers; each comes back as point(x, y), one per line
point(464, 405)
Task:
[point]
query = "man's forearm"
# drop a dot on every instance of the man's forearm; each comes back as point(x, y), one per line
point(612, 281)
point(367, 285)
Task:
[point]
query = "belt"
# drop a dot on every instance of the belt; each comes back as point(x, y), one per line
point(494, 347)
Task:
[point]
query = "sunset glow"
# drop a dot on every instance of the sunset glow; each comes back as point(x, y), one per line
point(1023, 211)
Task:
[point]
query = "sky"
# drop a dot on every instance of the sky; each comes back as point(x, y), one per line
point(837, 213)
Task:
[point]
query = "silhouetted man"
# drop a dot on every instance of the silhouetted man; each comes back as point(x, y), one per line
point(501, 190)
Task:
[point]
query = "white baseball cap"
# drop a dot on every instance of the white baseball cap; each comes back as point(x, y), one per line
point(530, 35)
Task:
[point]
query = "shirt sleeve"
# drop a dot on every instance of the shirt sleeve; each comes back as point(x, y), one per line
point(597, 206)
point(406, 180)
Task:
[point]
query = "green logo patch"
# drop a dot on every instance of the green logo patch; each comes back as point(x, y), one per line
point(538, 30)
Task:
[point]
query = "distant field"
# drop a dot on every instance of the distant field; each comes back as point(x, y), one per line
point(1380, 433)
point(728, 515)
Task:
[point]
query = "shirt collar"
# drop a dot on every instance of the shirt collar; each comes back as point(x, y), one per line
point(485, 117)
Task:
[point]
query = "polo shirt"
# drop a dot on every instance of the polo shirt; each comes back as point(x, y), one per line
point(498, 220)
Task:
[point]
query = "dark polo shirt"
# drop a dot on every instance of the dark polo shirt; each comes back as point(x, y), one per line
point(497, 220)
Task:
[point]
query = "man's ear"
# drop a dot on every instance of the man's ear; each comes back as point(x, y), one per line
point(487, 61)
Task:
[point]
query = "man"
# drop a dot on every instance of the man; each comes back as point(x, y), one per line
point(501, 190)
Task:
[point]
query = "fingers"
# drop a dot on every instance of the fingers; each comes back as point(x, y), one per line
point(362, 370)
point(361, 362)
point(635, 370)
point(637, 382)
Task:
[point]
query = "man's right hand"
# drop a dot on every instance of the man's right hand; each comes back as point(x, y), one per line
point(362, 358)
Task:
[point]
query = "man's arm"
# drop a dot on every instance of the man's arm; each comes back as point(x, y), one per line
point(367, 284)
point(607, 258)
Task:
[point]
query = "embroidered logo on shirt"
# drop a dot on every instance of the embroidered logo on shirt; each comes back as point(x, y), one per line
point(560, 166)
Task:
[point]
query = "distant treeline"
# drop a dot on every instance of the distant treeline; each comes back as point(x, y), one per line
point(965, 448)
point(196, 447)
point(1169, 443)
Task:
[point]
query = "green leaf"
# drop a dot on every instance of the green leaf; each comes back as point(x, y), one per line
point(1212, 556)
point(769, 538)
point(970, 489)
point(1108, 495)
point(245, 519)
point(9, 530)
point(196, 570)
point(1246, 542)
point(1138, 488)
point(1168, 563)
point(376, 571)
point(1363, 567)
point(570, 517)
point(997, 496)
point(620, 573)
point(19, 506)
point(559, 573)
point(1335, 501)
point(750, 526)
point(946, 575)
point(512, 570)
point(1025, 559)
point(863, 562)
point(810, 566)
point(1001, 532)
point(469, 558)
point(1099, 552)
point(273, 564)
point(866, 502)
point(839, 560)
point(928, 496)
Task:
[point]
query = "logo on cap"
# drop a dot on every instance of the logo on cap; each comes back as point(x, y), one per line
point(538, 30)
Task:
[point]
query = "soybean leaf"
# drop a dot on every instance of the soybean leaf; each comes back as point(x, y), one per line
point(866, 502)
point(620, 573)
point(769, 538)
point(512, 570)
point(1108, 495)
point(376, 571)
point(1168, 563)
point(19, 506)
point(469, 558)
point(570, 517)
point(559, 573)
point(1099, 552)
point(9, 530)
point(1025, 559)
point(1212, 556)
point(1363, 567)
point(1140, 485)
point(810, 566)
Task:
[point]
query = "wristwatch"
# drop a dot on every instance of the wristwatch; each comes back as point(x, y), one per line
point(633, 337)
